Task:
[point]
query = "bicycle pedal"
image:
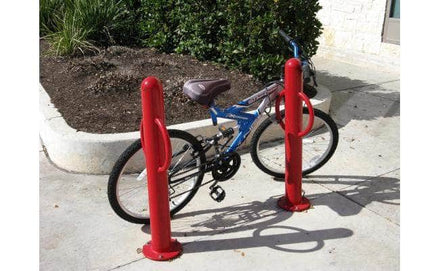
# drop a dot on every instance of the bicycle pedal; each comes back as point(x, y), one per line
point(217, 193)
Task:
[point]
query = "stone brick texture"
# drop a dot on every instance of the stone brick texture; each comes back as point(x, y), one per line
point(352, 32)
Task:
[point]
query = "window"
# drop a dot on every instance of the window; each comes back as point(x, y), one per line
point(391, 30)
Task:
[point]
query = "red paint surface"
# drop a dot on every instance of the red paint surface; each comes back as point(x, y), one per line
point(293, 97)
point(157, 150)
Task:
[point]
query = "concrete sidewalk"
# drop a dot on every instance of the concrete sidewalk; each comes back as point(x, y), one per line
point(353, 225)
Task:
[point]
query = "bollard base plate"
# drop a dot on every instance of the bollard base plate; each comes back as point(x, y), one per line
point(285, 204)
point(174, 251)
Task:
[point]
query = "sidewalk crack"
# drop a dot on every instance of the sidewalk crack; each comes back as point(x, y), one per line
point(122, 265)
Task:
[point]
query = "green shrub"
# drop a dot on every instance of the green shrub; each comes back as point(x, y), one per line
point(158, 24)
point(51, 12)
point(242, 34)
point(79, 25)
point(200, 28)
point(70, 37)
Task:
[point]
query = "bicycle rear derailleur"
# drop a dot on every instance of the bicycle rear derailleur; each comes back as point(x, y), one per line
point(224, 168)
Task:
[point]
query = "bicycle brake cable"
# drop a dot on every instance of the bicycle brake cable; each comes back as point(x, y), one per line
point(270, 100)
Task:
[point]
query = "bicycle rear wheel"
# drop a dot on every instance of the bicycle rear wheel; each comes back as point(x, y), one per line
point(268, 149)
point(127, 185)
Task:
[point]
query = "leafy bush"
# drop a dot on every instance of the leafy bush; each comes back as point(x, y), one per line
point(242, 34)
point(158, 24)
point(50, 15)
point(77, 25)
point(70, 37)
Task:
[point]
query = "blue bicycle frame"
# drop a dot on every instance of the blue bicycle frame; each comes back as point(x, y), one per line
point(246, 120)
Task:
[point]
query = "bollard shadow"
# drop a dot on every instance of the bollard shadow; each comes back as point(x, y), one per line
point(298, 241)
point(235, 218)
point(261, 217)
point(362, 190)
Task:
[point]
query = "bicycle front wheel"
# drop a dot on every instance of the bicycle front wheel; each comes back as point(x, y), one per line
point(127, 185)
point(268, 149)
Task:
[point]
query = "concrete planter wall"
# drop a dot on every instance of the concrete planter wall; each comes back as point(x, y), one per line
point(82, 152)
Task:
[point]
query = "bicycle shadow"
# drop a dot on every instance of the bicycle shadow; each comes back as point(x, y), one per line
point(234, 218)
point(263, 217)
point(295, 241)
point(363, 190)
point(259, 216)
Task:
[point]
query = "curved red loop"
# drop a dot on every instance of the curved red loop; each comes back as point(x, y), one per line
point(277, 109)
point(311, 114)
point(167, 144)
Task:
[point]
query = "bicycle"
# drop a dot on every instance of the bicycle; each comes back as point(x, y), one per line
point(192, 156)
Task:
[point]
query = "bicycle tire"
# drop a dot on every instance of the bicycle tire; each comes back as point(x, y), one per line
point(136, 149)
point(319, 115)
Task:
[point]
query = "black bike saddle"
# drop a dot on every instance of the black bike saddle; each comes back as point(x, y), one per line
point(204, 91)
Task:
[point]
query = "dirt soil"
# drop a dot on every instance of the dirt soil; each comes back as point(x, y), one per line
point(100, 93)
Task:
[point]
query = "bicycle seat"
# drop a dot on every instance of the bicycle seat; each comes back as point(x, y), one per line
point(204, 91)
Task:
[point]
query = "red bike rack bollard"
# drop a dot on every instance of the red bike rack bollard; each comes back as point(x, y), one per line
point(157, 150)
point(293, 200)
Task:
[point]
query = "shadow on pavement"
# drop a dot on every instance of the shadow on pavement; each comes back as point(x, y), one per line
point(362, 190)
point(337, 83)
point(353, 99)
point(261, 216)
point(360, 100)
point(235, 218)
point(296, 240)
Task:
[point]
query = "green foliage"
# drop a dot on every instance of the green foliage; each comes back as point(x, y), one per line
point(50, 15)
point(158, 24)
point(70, 38)
point(242, 34)
point(78, 25)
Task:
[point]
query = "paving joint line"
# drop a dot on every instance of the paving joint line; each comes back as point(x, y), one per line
point(366, 85)
point(345, 187)
point(370, 178)
point(355, 202)
point(122, 265)
point(380, 96)
point(365, 207)
point(352, 200)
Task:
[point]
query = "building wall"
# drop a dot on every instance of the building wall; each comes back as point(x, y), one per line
point(352, 32)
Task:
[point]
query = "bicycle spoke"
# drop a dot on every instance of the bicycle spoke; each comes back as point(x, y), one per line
point(129, 196)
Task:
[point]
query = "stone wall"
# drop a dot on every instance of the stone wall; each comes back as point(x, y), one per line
point(352, 32)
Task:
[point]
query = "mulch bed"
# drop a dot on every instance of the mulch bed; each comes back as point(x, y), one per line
point(100, 93)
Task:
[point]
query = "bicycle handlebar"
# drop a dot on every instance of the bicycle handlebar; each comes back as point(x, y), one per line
point(291, 42)
point(306, 63)
point(285, 36)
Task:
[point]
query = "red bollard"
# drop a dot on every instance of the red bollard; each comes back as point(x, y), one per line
point(157, 150)
point(293, 200)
